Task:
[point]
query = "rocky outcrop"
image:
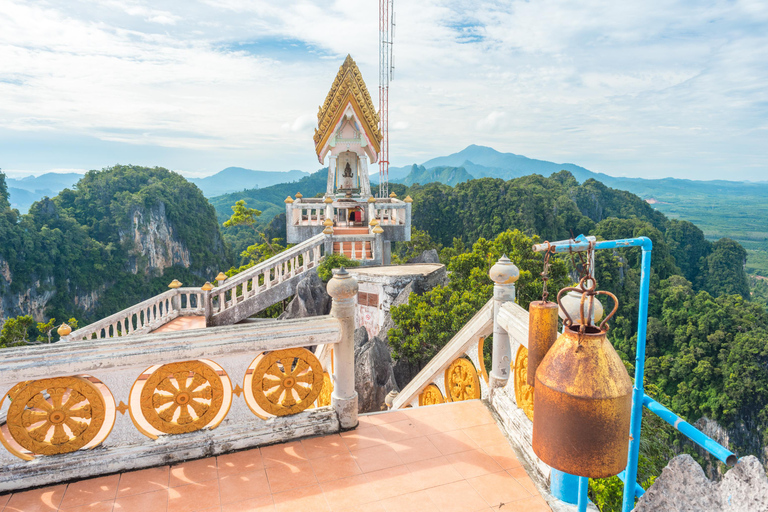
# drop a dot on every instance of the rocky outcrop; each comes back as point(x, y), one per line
point(374, 378)
point(429, 256)
point(683, 487)
point(31, 301)
point(311, 299)
point(155, 245)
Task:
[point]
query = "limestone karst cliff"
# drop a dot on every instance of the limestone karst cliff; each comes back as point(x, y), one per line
point(117, 238)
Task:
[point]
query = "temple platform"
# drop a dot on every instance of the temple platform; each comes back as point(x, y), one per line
point(449, 457)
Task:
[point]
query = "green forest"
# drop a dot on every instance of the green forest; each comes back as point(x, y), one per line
point(707, 352)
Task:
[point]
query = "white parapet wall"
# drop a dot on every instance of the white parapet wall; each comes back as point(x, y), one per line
point(85, 408)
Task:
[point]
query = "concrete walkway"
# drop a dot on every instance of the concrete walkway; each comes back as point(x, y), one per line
point(441, 458)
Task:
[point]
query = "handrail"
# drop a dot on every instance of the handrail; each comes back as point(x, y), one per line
point(161, 308)
point(697, 436)
point(282, 257)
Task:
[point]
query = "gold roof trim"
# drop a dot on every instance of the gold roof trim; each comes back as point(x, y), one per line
point(348, 86)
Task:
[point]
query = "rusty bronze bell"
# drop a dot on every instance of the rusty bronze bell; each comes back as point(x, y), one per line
point(542, 333)
point(583, 399)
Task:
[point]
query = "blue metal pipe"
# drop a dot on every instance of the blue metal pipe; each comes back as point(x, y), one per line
point(630, 482)
point(639, 491)
point(583, 496)
point(691, 432)
point(564, 486)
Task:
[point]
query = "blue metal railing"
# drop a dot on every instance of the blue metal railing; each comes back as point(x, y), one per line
point(639, 399)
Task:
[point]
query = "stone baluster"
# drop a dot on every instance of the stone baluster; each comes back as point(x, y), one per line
point(504, 274)
point(343, 289)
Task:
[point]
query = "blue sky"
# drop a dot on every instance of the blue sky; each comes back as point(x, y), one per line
point(646, 89)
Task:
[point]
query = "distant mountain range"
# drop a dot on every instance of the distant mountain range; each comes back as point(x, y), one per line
point(236, 179)
point(25, 191)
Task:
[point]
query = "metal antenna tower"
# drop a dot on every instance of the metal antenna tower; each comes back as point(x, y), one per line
point(386, 73)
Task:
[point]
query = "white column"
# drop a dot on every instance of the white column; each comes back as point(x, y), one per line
point(343, 288)
point(365, 180)
point(504, 274)
point(331, 175)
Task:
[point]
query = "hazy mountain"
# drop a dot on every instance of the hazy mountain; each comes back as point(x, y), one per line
point(25, 191)
point(235, 179)
point(443, 174)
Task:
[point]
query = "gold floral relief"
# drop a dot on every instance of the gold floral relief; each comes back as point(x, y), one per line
point(287, 381)
point(523, 392)
point(461, 382)
point(324, 398)
point(431, 396)
point(54, 416)
point(182, 397)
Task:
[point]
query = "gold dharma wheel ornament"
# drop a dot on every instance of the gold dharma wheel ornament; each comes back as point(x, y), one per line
point(523, 391)
point(461, 382)
point(55, 416)
point(287, 381)
point(431, 396)
point(182, 397)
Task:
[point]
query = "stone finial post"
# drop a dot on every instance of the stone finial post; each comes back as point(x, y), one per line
point(207, 306)
point(343, 289)
point(378, 244)
point(504, 274)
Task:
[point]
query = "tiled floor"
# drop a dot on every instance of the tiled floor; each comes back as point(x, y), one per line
point(442, 458)
point(183, 323)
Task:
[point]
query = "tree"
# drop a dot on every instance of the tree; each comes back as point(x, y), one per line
point(242, 215)
point(16, 331)
point(46, 330)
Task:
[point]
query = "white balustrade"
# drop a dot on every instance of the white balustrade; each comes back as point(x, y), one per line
point(144, 316)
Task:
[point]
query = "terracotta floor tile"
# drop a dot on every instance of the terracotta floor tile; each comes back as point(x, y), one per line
point(347, 493)
point(146, 480)
point(413, 502)
point(243, 486)
point(498, 488)
point(194, 497)
point(452, 442)
point(37, 500)
point(193, 472)
point(400, 430)
point(290, 476)
point(318, 447)
point(360, 439)
point(260, 504)
point(90, 491)
point(239, 462)
point(466, 417)
point(335, 467)
point(309, 498)
point(533, 504)
point(382, 418)
point(486, 435)
point(456, 497)
point(4, 499)
point(503, 454)
point(433, 472)
point(473, 463)
point(285, 453)
point(374, 506)
point(521, 476)
point(378, 457)
point(145, 502)
point(391, 482)
point(416, 449)
point(100, 506)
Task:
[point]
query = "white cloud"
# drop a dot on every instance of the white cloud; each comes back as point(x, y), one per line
point(651, 88)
